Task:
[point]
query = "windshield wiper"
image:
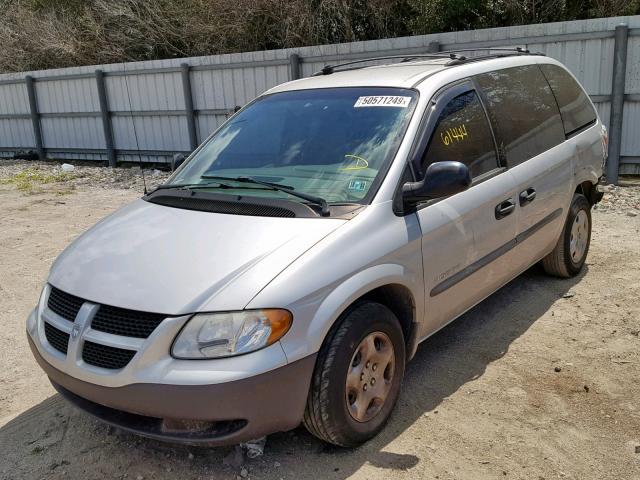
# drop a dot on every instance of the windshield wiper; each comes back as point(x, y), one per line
point(247, 180)
point(175, 186)
point(276, 186)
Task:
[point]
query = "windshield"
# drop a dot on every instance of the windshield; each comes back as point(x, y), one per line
point(329, 143)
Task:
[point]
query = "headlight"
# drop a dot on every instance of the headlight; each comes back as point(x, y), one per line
point(216, 335)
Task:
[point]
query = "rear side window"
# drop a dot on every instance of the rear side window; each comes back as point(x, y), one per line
point(462, 134)
point(524, 110)
point(575, 108)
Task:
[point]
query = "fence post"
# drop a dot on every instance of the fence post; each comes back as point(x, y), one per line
point(617, 102)
point(106, 119)
point(188, 106)
point(35, 116)
point(294, 66)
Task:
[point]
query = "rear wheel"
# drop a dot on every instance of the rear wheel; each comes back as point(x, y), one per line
point(357, 377)
point(568, 256)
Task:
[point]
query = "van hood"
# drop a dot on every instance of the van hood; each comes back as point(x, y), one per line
point(167, 260)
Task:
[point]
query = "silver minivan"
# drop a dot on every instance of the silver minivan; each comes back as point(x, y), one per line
point(289, 268)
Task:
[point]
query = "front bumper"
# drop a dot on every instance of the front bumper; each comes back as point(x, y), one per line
point(218, 414)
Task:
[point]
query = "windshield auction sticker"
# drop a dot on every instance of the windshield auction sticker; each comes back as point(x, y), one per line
point(382, 101)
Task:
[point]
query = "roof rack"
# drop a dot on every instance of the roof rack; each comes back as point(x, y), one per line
point(453, 55)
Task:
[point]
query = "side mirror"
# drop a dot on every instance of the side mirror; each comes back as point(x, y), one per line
point(441, 180)
point(177, 160)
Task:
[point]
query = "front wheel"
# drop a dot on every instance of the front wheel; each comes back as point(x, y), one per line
point(357, 377)
point(568, 256)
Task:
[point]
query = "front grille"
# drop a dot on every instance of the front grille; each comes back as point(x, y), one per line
point(128, 323)
point(56, 338)
point(64, 304)
point(106, 357)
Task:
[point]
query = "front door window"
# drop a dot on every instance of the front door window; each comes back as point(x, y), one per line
point(462, 134)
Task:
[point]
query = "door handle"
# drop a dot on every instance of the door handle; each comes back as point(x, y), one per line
point(505, 208)
point(527, 196)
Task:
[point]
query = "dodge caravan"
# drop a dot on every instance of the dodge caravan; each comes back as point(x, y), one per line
point(289, 268)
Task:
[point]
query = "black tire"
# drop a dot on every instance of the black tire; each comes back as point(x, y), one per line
point(327, 415)
point(560, 262)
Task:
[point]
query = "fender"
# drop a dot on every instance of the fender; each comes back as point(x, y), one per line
point(355, 259)
point(336, 300)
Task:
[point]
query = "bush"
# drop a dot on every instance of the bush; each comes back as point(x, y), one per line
point(40, 34)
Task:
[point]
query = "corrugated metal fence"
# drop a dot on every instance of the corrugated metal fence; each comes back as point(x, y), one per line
point(89, 113)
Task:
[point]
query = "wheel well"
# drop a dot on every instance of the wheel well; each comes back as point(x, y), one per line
point(587, 189)
point(399, 300)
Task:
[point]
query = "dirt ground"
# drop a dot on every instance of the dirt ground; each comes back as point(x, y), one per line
point(540, 381)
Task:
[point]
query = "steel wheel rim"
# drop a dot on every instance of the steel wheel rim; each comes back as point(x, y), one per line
point(370, 376)
point(579, 236)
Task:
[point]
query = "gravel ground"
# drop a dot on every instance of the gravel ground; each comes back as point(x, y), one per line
point(623, 199)
point(540, 381)
point(29, 175)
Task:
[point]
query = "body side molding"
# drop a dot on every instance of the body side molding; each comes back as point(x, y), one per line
point(494, 255)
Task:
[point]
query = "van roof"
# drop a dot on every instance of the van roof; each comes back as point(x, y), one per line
point(403, 74)
point(389, 75)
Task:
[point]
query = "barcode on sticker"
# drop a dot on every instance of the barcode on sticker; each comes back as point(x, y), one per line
point(382, 101)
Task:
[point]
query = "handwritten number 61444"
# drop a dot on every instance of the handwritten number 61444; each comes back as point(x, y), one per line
point(454, 134)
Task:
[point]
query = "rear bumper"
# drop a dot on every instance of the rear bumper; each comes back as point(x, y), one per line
point(220, 414)
point(598, 192)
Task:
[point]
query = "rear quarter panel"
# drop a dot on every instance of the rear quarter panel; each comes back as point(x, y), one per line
point(590, 154)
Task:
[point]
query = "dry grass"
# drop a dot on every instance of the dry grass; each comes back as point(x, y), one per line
point(30, 180)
